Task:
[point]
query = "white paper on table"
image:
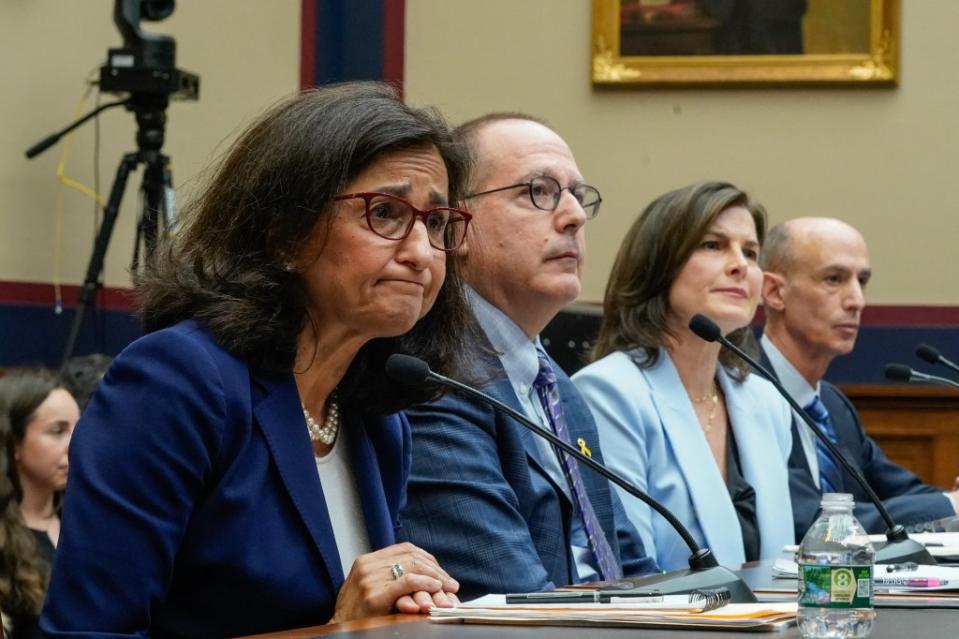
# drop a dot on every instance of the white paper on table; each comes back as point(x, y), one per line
point(666, 602)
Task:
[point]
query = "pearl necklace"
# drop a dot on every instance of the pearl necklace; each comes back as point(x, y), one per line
point(331, 426)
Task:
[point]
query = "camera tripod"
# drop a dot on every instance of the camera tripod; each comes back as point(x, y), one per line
point(156, 188)
point(143, 68)
point(158, 206)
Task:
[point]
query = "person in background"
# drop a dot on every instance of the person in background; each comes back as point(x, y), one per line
point(499, 507)
point(241, 467)
point(815, 275)
point(37, 417)
point(83, 373)
point(677, 416)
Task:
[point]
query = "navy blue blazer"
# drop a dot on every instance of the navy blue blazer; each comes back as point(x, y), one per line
point(194, 506)
point(907, 499)
point(481, 501)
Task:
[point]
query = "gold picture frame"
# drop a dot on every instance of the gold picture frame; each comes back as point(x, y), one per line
point(871, 58)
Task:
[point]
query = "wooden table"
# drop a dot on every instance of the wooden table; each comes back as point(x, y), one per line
point(890, 624)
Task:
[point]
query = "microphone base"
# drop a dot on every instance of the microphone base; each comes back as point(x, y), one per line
point(900, 552)
point(685, 581)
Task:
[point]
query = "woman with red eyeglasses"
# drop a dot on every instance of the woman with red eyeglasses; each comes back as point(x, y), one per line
point(240, 469)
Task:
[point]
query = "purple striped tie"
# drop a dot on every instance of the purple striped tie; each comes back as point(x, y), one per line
point(548, 390)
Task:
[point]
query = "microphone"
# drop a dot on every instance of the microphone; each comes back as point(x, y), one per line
point(902, 373)
point(704, 571)
point(931, 355)
point(899, 548)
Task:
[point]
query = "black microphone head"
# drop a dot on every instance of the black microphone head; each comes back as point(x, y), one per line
point(898, 373)
point(705, 328)
point(927, 353)
point(407, 369)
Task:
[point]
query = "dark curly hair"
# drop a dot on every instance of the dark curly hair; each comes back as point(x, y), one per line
point(654, 251)
point(225, 266)
point(23, 574)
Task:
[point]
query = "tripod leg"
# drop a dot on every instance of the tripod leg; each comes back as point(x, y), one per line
point(169, 196)
point(95, 266)
point(158, 205)
point(151, 192)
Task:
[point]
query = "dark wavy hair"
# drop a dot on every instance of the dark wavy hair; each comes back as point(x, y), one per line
point(226, 265)
point(23, 573)
point(657, 246)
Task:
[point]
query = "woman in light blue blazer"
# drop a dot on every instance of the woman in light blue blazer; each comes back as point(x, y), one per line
point(677, 416)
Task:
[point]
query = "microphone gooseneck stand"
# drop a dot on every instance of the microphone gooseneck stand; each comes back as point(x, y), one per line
point(899, 548)
point(902, 373)
point(931, 355)
point(704, 571)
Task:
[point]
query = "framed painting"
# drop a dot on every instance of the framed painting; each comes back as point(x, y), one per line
point(745, 42)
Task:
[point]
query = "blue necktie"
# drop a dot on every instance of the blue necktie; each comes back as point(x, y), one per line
point(548, 390)
point(830, 475)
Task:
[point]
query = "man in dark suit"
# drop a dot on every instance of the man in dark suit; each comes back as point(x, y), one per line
point(499, 507)
point(815, 274)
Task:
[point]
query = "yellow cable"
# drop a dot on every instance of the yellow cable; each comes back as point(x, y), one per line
point(71, 183)
point(61, 163)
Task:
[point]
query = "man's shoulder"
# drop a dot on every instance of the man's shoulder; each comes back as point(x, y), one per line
point(841, 409)
point(831, 393)
point(452, 411)
point(756, 386)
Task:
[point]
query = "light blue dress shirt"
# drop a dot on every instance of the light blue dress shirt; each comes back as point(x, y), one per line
point(800, 390)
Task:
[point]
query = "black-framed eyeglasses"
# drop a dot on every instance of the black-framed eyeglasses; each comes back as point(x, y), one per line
point(545, 192)
point(391, 217)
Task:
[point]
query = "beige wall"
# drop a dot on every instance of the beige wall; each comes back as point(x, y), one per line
point(880, 159)
point(246, 52)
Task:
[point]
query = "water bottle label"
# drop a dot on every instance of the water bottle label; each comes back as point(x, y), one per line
point(835, 586)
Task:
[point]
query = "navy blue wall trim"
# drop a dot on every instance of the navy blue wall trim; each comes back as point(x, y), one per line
point(877, 346)
point(32, 332)
point(569, 338)
point(352, 40)
point(35, 335)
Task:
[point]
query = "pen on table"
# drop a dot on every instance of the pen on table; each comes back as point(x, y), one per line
point(907, 566)
point(593, 596)
point(911, 582)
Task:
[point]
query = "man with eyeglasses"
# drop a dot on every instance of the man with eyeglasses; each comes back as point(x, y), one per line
point(499, 507)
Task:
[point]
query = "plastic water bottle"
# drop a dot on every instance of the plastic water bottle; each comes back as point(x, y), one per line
point(835, 574)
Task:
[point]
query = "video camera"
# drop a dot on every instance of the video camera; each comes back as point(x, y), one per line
point(146, 64)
